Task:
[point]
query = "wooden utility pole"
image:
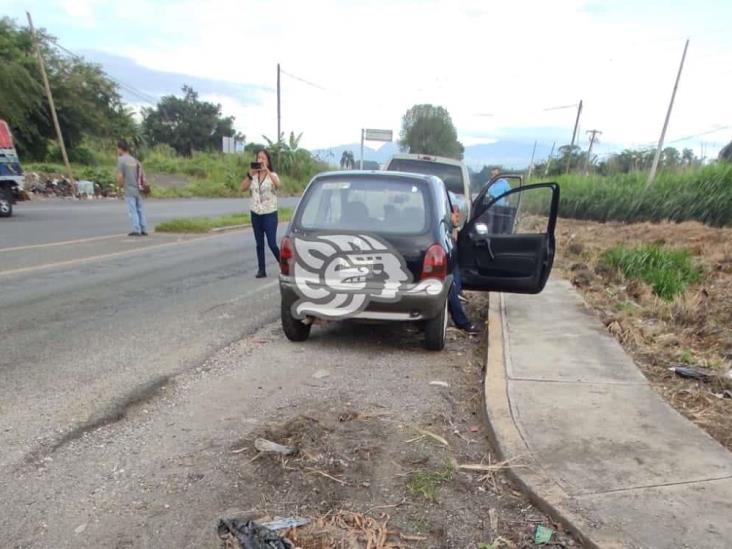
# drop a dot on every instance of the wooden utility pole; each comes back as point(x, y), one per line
point(549, 160)
point(49, 95)
point(279, 112)
point(593, 138)
point(531, 163)
point(656, 158)
point(574, 135)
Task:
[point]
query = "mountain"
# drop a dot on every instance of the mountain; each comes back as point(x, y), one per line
point(509, 154)
point(381, 154)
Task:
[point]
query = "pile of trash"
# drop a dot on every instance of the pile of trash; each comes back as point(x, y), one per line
point(58, 185)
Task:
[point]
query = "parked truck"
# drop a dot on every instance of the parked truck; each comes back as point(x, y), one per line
point(11, 173)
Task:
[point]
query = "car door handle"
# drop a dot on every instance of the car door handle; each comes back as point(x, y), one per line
point(485, 244)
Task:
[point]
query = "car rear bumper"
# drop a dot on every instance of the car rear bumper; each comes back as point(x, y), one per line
point(407, 308)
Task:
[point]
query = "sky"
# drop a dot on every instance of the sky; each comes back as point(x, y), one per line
point(495, 66)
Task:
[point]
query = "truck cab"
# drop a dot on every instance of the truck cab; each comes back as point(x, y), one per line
point(11, 173)
point(454, 175)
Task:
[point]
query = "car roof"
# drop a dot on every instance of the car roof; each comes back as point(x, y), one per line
point(427, 158)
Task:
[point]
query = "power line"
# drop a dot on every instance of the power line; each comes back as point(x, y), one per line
point(303, 80)
point(127, 87)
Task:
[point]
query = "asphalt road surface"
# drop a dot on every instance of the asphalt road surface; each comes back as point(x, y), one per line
point(91, 326)
point(53, 220)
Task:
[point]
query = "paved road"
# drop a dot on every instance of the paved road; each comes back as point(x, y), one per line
point(54, 220)
point(90, 327)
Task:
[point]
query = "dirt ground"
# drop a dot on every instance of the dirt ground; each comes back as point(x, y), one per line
point(376, 478)
point(694, 330)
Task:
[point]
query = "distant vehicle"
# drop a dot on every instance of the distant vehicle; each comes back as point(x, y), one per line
point(453, 173)
point(377, 246)
point(11, 173)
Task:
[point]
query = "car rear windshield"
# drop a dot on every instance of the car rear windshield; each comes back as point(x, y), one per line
point(452, 176)
point(376, 204)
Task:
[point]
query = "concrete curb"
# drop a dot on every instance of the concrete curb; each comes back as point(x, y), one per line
point(229, 228)
point(511, 446)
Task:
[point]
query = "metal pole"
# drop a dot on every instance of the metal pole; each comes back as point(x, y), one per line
point(549, 160)
point(574, 135)
point(361, 159)
point(279, 112)
point(654, 167)
point(51, 104)
point(531, 163)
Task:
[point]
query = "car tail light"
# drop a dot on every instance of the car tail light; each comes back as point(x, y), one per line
point(435, 263)
point(287, 253)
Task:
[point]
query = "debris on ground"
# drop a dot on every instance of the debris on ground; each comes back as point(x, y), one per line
point(543, 535)
point(267, 446)
point(238, 534)
point(438, 383)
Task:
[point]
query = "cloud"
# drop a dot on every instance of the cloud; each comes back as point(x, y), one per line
point(83, 11)
point(372, 60)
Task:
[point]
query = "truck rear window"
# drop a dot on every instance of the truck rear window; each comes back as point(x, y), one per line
point(452, 176)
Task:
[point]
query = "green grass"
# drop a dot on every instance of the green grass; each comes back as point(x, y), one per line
point(701, 194)
point(668, 271)
point(426, 483)
point(205, 224)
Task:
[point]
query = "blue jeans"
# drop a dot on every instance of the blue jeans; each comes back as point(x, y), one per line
point(134, 209)
point(265, 225)
point(453, 303)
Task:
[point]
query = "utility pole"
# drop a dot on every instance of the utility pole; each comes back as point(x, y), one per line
point(574, 135)
point(589, 149)
point(531, 163)
point(51, 104)
point(549, 160)
point(279, 112)
point(654, 167)
point(360, 161)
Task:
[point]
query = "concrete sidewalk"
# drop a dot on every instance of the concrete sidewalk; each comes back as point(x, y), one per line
point(591, 440)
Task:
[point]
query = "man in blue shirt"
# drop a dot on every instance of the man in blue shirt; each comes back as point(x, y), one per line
point(499, 186)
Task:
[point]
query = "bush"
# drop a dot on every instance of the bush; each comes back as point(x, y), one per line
point(667, 271)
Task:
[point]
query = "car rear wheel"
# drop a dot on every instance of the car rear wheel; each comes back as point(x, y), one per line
point(6, 202)
point(294, 329)
point(435, 331)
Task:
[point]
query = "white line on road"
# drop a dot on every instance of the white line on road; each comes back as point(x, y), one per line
point(83, 260)
point(62, 243)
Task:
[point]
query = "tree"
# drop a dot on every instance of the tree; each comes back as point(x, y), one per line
point(688, 157)
point(87, 100)
point(186, 123)
point(427, 129)
point(725, 155)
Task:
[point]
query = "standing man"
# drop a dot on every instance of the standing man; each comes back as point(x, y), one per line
point(499, 186)
point(128, 177)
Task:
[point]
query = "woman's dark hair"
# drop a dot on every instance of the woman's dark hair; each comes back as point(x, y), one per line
point(122, 145)
point(269, 158)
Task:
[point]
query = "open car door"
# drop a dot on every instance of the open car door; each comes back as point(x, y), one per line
point(508, 244)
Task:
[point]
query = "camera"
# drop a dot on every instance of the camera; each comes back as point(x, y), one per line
point(255, 165)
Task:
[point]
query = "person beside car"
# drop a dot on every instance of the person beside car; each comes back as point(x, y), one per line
point(263, 182)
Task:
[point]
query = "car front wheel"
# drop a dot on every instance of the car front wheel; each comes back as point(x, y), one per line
point(295, 330)
point(435, 331)
point(6, 202)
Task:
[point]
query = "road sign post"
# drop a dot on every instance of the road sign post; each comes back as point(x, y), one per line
point(374, 135)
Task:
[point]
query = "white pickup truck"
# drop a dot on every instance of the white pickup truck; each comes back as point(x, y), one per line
point(453, 173)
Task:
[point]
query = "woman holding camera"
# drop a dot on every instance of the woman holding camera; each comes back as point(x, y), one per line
point(263, 182)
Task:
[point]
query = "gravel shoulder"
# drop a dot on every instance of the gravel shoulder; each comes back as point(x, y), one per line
point(375, 437)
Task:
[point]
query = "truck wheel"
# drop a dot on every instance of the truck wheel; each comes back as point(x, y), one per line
point(435, 330)
point(294, 329)
point(6, 202)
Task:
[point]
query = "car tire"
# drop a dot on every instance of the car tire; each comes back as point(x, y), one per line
point(295, 330)
point(435, 330)
point(6, 202)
